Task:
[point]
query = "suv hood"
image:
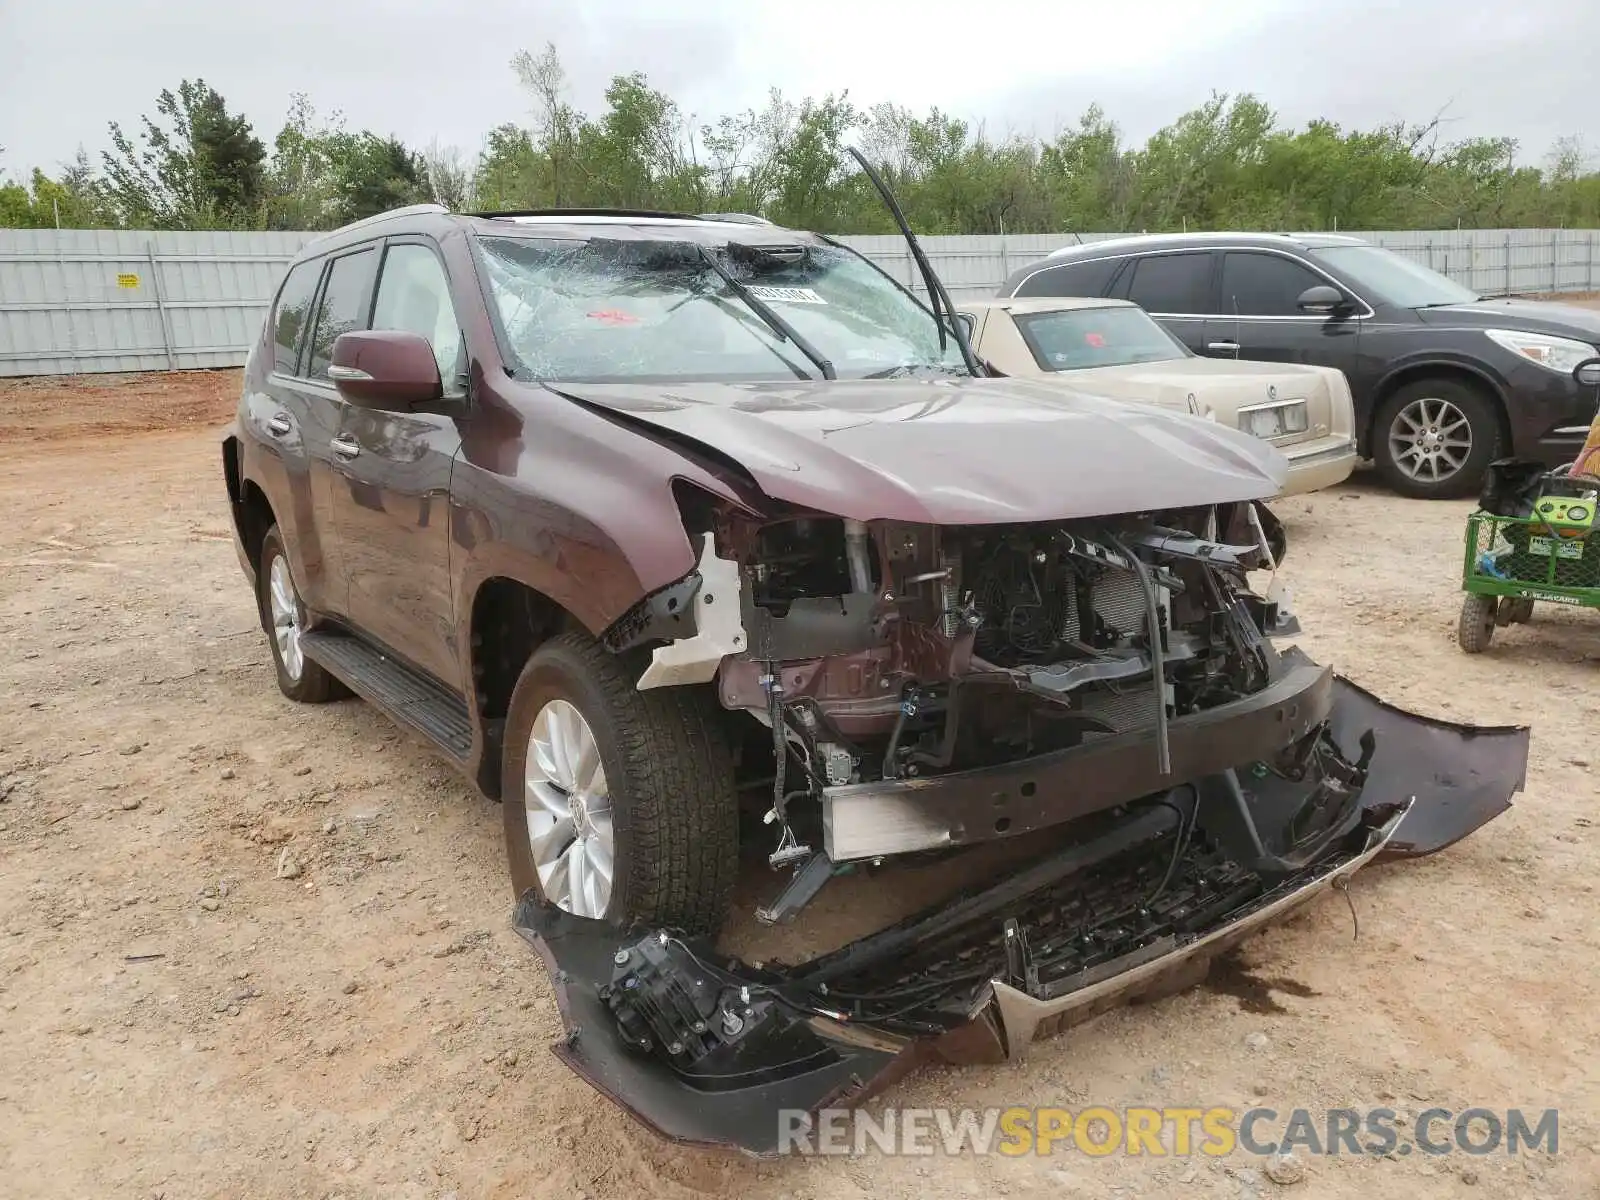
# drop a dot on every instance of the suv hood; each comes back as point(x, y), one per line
point(950, 451)
point(1531, 316)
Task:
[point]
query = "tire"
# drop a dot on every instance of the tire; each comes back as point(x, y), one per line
point(1476, 628)
point(1428, 409)
point(667, 789)
point(1515, 612)
point(299, 678)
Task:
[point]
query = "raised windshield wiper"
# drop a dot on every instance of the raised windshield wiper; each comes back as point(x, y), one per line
point(762, 309)
point(944, 310)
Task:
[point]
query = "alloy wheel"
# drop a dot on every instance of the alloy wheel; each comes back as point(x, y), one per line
point(1430, 440)
point(288, 621)
point(568, 804)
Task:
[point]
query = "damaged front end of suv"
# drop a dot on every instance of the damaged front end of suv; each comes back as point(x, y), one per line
point(1103, 690)
point(979, 622)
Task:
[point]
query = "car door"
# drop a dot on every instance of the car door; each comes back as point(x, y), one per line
point(393, 509)
point(1259, 317)
point(297, 419)
point(1175, 287)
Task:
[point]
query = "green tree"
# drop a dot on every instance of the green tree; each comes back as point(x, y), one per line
point(369, 174)
point(1226, 163)
point(555, 130)
point(449, 178)
point(1091, 180)
point(510, 173)
point(75, 200)
point(198, 167)
point(300, 183)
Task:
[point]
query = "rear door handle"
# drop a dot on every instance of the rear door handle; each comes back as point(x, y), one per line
point(345, 447)
point(279, 425)
point(1228, 347)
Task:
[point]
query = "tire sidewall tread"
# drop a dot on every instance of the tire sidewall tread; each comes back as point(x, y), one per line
point(1475, 628)
point(669, 769)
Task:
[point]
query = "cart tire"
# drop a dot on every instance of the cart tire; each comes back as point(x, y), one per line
point(1476, 627)
point(1516, 612)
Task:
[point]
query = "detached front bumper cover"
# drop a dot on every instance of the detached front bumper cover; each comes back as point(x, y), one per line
point(706, 1051)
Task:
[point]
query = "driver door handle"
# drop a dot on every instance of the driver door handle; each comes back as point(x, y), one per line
point(345, 446)
point(1226, 347)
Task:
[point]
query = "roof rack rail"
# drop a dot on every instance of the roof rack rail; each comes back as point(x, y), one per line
point(409, 210)
point(585, 212)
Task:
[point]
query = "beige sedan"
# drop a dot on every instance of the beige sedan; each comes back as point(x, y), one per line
point(1114, 348)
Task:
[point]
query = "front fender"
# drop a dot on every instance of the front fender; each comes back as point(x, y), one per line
point(1417, 366)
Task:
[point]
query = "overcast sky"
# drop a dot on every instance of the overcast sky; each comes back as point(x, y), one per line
point(427, 70)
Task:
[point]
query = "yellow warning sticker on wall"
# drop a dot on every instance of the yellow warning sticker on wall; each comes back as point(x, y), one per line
point(127, 281)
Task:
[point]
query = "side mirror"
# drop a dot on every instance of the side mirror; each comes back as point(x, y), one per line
point(385, 369)
point(1587, 373)
point(1322, 299)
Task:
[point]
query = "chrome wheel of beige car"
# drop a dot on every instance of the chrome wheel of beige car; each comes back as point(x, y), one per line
point(570, 832)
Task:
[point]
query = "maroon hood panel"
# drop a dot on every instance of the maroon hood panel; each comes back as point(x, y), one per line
point(953, 452)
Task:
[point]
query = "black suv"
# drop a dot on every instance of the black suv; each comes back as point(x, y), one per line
point(1443, 379)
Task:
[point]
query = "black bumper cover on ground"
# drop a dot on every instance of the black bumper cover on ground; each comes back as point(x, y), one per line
point(1428, 784)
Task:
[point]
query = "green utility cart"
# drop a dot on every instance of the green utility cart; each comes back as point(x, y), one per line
point(1534, 538)
point(1514, 562)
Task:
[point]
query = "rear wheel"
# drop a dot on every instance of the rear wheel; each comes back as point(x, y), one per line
point(283, 616)
point(1433, 438)
point(619, 804)
point(1476, 626)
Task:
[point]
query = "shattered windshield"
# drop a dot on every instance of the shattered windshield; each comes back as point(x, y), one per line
point(621, 310)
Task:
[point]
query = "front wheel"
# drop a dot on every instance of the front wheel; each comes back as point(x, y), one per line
point(619, 804)
point(1433, 438)
point(1475, 629)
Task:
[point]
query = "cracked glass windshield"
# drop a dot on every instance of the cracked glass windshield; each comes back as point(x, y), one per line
point(610, 310)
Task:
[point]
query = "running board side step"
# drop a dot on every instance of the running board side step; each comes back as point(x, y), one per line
point(407, 695)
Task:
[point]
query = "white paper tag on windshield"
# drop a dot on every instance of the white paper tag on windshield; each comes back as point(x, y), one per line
point(781, 295)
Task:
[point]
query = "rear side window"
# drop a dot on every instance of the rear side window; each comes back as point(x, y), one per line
point(292, 316)
point(1172, 283)
point(1071, 279)
point(1264, 285)
point(344, 306)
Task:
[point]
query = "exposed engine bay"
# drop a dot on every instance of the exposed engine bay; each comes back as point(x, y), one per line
point(1065, 625)
point(883, 658)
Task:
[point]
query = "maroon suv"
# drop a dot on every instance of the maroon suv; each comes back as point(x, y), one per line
point(672, 531)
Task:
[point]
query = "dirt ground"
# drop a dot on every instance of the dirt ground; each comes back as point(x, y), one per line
point(176, 1020)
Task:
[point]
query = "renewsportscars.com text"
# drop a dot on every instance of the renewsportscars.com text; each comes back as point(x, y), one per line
point(1099, 1131)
